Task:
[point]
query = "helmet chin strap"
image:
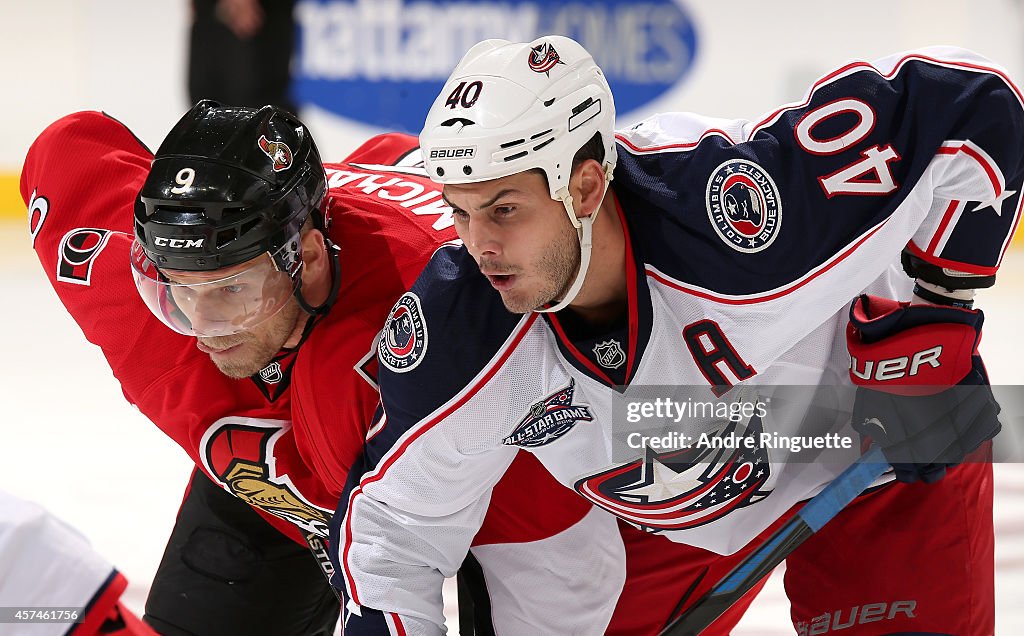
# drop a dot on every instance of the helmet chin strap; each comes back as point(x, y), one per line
point(584, 232)
point(323, 308)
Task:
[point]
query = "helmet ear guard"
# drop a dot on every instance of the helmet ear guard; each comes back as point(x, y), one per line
point(511, 107)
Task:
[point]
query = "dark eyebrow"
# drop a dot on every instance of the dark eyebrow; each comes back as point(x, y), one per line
point(487, 204)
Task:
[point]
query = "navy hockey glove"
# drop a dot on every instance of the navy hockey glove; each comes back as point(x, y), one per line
point(923, 395)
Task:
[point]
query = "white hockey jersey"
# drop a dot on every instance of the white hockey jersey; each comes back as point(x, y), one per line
point(746, 243)
point(49, 567)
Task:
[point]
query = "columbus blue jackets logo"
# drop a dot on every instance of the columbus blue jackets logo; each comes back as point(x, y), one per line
point(278, 151)
point(403, 342)
point(543, 58)
point(683, 488)
point(744, 205)
point(549, 419)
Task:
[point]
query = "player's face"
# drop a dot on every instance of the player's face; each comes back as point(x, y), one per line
point(519, 236)
point(206, 304)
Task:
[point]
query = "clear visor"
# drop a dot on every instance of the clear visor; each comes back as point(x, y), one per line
point(210, 304)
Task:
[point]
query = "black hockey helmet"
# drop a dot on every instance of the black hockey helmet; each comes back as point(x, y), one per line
point(230, 187)
point(228, 184)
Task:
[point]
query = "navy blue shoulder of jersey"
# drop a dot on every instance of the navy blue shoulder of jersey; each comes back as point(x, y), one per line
point(437, 338)
point(747, 216)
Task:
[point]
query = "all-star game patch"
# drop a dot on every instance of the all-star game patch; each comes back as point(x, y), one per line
point(403, 342)
point(744, 205)
point(549, 419)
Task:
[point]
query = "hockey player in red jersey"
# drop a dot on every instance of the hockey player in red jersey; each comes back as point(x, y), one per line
point(727, 260)
point(248, 336)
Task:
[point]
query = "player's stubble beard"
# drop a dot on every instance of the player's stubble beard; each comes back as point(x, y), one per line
point(556, 267)
point(258, 345)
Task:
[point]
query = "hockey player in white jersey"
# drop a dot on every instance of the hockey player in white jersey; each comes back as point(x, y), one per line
point(54, 582)
point(730, 257)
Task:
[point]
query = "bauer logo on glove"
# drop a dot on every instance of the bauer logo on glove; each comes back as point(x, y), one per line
point(923, 394)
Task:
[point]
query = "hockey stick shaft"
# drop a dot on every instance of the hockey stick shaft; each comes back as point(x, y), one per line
point(808, 520)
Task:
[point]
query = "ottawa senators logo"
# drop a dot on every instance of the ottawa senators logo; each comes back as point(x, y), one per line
point(543, 58)
point(278, 151)
point(238, 451)
point(77, 252)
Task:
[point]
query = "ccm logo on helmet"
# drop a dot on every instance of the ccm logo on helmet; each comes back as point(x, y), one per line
point(895, 368)
point(177, 243)
point(452, 153)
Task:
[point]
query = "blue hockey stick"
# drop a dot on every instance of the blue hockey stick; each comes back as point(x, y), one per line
point(815, 514)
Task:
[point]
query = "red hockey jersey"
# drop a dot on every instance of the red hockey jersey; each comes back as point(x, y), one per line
point(284, 442)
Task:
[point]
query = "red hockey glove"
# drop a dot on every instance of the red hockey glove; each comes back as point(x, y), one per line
point(923, 395)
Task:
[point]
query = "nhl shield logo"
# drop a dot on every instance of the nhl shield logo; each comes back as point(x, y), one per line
point(549, 419)
point(403, 342)
point(271, 374)
point(278, 151)
point(744, 205)
point(609, 354)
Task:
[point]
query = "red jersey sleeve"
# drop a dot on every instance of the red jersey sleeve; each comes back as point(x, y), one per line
point(80, 181)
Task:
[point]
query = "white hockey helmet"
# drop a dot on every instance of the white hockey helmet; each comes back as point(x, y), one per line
point(511, 107)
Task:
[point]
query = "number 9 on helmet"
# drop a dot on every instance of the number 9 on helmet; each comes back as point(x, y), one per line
point(227, 196)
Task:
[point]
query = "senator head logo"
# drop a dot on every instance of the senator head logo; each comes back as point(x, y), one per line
point(278, 151)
